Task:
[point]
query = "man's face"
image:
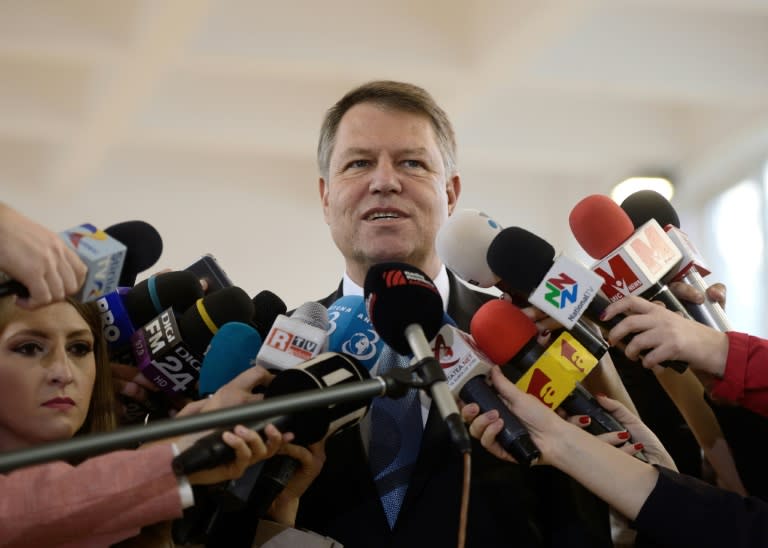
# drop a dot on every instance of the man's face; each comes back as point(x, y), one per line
point(387, 192)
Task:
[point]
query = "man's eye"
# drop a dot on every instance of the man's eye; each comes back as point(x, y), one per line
point(358, 164)
point(413, 163)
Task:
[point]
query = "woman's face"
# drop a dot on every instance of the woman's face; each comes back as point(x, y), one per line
point(47, 372)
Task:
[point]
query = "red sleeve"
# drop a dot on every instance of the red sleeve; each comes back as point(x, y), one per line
point(120, 491)
point(745, 379)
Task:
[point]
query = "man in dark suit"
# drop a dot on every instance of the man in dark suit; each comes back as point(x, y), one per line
point(388, 182)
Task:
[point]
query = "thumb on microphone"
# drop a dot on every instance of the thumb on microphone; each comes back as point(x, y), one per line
point(238, 391)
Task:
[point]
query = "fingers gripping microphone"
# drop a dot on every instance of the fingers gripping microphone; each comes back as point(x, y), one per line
point(466, 369)
point(407, 311)
point(102, 254)
point(534, 275)
point(327, 369)
point(645, 205)
point(508, 337)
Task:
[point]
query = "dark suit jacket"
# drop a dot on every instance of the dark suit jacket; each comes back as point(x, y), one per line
point(509, 505)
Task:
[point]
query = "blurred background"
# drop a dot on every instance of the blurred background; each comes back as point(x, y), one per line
point(201, 117)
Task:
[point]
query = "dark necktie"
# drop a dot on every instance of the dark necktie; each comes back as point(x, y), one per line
point(396, 429)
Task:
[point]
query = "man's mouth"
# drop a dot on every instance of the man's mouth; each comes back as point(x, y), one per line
point(383, 215)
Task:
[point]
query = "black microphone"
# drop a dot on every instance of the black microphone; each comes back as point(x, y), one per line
point(407, 311)
point(144, 247)
point(327, 369)
point(645, 205)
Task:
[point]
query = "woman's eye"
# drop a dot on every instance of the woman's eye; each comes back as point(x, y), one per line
point(28, 349)
point(80, 349)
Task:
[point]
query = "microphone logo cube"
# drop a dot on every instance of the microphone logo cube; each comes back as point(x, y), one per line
point(555, 374)
point(568, 288)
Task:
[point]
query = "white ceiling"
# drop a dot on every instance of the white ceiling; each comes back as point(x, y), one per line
point(201, 116)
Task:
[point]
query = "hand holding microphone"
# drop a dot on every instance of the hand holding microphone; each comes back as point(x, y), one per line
point(659, 335)
point(38, 259)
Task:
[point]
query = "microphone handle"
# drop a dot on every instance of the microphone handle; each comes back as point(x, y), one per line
point(709, 312)
point(211, 451)
point(514, 437)
point(12, 287)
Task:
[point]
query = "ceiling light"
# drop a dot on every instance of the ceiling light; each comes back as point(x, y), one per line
point(662, 185)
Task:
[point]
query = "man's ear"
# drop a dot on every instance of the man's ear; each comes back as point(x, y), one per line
point(453, 189)
point(322, 187)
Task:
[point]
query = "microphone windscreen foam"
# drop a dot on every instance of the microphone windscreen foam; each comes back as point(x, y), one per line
point(398, 295)
point(599, 225)
point(501, 330)
point(143, 248)
point(266, 308)
point(351, 331)
point(178, 290)
point(520, 258)
point(644, 205)
point(202, 320)
point(462, 244)
point(232, 350)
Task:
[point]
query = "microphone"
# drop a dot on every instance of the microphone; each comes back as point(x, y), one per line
point(233, 349)
point(466, 369)
point(508, 337)
point(631, 262)
point(648, 204)
point(266, 308)
point(168, 352)
point(352, 332)
point(562, 288)
point(407, 311)
point(177, 290)
point(144, 247)
point(200, 322)
point(102, 254)
point(555, 285)
point(462, 243)
point(326, 370)
point(296, 338)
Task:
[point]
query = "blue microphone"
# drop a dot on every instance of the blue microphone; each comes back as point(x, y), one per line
point(351, 331)
point(232, 350)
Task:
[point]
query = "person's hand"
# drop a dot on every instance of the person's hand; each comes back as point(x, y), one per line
point(311, 459)
point(686, 292)
point(128, 381)
point(542, 423)
point(238, 391)
point(666, 336)
point(249, 449)
point(39, 259)
point(640, 433)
